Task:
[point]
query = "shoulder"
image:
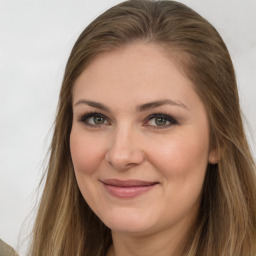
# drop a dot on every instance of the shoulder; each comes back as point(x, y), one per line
point(6, 250)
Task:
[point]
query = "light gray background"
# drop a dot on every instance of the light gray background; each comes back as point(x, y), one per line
point(36, 38)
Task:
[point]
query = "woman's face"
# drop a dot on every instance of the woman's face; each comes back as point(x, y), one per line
point(139, 141)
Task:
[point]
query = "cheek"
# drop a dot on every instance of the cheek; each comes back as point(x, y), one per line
point(86, 152)
point(181, 155)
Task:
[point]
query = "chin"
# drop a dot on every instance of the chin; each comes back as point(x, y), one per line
point(128, 222)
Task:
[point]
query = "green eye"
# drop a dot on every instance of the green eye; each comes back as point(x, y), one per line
point(98, 120)
point(93, 120)
point(160, 121)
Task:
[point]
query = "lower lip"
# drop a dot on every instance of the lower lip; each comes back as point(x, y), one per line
point(128, 192)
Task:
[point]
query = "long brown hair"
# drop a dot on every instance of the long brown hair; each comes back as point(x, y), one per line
point(226, 226)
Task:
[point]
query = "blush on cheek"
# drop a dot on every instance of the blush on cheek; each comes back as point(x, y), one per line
point(179, 157)
point(85, 154)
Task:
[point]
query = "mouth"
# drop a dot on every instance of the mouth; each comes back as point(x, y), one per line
point(128, 188)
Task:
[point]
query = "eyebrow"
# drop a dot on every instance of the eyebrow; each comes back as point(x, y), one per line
point(159, 103)
point(140, 108)
point(93, 104)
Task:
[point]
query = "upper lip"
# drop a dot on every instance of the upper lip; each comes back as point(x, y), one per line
point(128, 183)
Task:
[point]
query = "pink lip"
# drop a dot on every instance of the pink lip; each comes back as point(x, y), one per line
point(127, 188)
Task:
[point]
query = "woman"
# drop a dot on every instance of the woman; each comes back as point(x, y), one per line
point(149, 154)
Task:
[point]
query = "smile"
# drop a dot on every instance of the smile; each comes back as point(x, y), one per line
point(127, 188)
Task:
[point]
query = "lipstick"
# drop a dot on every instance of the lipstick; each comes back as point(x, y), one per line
point(127, 188)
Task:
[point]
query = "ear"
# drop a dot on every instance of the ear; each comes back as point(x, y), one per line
point(214, 156)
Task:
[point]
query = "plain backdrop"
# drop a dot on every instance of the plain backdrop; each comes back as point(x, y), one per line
point(36, 37)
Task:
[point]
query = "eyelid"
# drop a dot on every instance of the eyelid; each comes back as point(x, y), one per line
point(85, 116)
point(168, 117)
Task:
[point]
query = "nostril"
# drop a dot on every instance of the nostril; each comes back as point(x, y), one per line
point(124, 159)
point(125, 151)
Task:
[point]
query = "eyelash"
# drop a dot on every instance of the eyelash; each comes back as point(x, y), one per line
point(164, 116)
point(84, 119)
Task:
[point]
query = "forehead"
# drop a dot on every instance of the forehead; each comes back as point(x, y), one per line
point(140, 72)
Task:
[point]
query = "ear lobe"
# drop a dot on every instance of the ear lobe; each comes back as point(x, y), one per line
point(213, 157)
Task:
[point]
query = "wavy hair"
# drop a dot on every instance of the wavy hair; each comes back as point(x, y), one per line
point(226, 225)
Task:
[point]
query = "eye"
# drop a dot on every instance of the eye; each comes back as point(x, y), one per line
point(160, 121)
point(93, 119)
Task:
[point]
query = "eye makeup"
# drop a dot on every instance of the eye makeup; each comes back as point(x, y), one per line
point(93, 119)
point(160, 121)
point(157, 120)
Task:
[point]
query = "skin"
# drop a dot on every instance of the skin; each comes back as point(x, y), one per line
point(127, 144)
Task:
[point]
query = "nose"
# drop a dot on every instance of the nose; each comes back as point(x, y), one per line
point(125, 150)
